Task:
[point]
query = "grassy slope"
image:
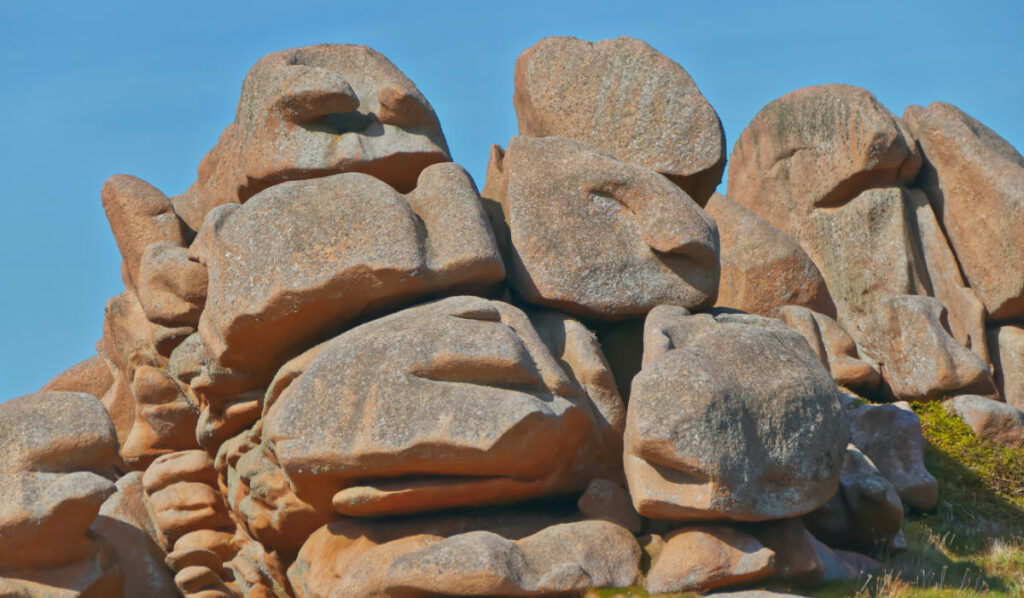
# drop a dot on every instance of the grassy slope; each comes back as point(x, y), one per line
point(972, 545)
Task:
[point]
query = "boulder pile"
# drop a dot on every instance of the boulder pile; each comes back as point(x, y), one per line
point(337, 369)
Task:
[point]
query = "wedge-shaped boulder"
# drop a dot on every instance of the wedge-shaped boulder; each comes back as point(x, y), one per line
point(303, 259)
point(315, 111)
point(890, 435)
point(731, 417)
point(596, 237)
point(706, 557)
point(59, 450)
point(624, 99)
point(818, 147)
point(865, 514)
point(763, 269)
point(505, 555)
point(975, 181)
point(448, 404)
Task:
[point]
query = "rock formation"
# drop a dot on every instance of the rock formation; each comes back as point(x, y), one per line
point(338, 370)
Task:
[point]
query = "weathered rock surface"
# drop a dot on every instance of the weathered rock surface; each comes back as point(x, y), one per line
point(303, 259)
point(316, 111)
point(818, 147)
point(596, 237)
point(150, 412)
point(731, 417)
point(139, 215)
point(469, 408)
point(1006, 345)
point(625, 100)
point(607, 501)
point(171, 288)
point(834, 348)
point(59, 449)
point(124, 522)
point(705, 557)
point(991, 420)
point(762, 268)
point(90, 376)
point(975, 181)
point(890, 435)
point(919, 359)
point(866, 512)
point(796, 559)
point(885, 243)
point(469, 557)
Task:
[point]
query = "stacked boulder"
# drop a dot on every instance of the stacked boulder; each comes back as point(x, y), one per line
point(337, 369)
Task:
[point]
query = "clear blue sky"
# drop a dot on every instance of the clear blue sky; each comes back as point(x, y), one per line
point(90, 89)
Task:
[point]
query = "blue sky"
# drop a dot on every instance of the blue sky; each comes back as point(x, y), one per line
point(93, 89)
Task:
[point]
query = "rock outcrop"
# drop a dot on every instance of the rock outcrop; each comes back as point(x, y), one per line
point(338, 370)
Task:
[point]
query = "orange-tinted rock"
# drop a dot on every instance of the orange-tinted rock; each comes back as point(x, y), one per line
point(57, 447)
point(796, 560)
point(229, 400)
point(259, 493)
point(865, 514)
point(624, 99)
point(991, 420)
point(152, 414)
point(732, 417)
point(1006, 344)
point(890, 435)
point(608, 501)
point(469, 408)
point(834, 348)
point(597, 237)
point(125, 524)
point(303, 259)
point(818, 147)
point(446, 556)
point(91, 376)
point(139, 214)
point(919, 358)
point(182, 496)
point(762, 268)
point(171, 288)
point(706, 557)
point(975, 181)
point(316, 111)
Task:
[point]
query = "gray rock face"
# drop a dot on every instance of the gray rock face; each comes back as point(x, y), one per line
point(625, 100)
point(890, 435)
point(866, 512)
point(601, 238)
point(453, 403)
point(731, 417)
point(303, 259)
